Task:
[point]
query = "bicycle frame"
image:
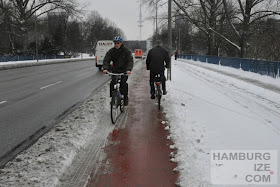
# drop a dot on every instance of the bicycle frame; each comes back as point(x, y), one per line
point(117, 99)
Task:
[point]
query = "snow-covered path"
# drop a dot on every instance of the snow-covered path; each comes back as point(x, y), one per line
point(211, 111)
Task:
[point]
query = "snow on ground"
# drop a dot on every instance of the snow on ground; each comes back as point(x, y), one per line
point(83, 56)
point(210, 111)
point(44, 162)
point(26, 63)
point(205, 110)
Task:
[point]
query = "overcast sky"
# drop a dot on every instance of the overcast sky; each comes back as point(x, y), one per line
point(125, 14)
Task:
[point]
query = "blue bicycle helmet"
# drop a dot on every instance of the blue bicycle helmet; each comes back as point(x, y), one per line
point(117, 39)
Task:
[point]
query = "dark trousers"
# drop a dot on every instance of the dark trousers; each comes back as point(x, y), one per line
point(123, 86)
point(152, 80)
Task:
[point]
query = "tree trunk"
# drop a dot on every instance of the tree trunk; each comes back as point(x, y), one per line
point(246, 27)
point(212, 24)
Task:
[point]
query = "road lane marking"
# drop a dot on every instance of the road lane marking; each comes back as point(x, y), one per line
point(51, 85)
point(1, 102)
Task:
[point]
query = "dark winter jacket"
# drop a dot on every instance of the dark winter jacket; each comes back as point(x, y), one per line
point(157, 59)
point(122, 60)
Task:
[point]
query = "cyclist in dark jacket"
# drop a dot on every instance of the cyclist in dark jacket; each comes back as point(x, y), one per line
point(156, 62)
point(122, 63)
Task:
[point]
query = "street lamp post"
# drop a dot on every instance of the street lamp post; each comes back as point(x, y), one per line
point(169, 38)
point(82, 42)
point(156, 19)
point(36, 38)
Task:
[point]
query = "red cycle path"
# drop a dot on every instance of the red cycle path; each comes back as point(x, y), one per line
point(138, 154)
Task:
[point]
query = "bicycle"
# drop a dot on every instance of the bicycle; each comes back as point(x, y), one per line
point(117, 99)
point(158, 92)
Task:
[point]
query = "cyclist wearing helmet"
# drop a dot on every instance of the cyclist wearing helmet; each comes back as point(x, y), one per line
point(122, 63)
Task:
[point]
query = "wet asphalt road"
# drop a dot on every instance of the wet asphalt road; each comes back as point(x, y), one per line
point(33, 99)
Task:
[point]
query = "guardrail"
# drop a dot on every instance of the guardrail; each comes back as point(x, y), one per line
point(30, 57)
point(269, 68)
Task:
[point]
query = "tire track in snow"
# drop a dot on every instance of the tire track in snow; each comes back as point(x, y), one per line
point(240, 96)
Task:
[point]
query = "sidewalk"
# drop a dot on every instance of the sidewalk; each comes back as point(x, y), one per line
point(138, 154)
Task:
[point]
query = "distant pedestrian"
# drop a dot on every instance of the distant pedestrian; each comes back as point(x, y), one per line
point(176, 54)
point(157, 60)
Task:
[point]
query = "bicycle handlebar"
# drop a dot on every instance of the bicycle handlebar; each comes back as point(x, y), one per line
point(109, 73)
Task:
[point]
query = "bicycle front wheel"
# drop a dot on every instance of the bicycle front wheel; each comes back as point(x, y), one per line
point(114, 108)
point(122, 104)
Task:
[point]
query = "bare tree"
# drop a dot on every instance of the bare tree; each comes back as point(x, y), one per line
point(22, 12)
point(98, 28)
point(265, 42)
point(208, 16)
point(158, 11)
point(248, 13)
